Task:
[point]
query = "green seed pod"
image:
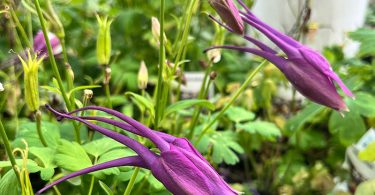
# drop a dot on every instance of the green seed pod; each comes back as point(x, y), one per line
point(103, 42)
point(30, 67)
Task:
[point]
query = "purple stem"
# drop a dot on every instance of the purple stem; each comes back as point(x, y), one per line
point(284, 37)
point(288, 49)
point(259, 44)
point(140, 149)
point(126, 161)
point(278, 61)
point(168, 138)
point(147, 132)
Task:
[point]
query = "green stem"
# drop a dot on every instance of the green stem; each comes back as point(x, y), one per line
point(108, 94)
point(9, 151)
point(91, 185)
point(184, 35)
point(132, 181)
point(158, 106)
point(20, 27)
point(197, 109)
point(232, 100)
point(38, 116)
point(54, 66)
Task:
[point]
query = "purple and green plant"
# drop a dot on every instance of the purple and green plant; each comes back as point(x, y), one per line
point(178, 165)
point(308, 71)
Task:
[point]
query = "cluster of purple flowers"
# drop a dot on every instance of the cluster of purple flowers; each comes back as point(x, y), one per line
point(308, 71)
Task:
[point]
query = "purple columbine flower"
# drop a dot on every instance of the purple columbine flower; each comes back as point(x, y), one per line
point(229, 13)
point(40, 47)
point(308, 71)
point(179, 166)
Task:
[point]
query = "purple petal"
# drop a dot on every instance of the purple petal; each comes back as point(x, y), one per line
point(147, 132)
point(126, 161)
point(141, 150)
point(278, 61)
point(321, 64)
point(125, 126)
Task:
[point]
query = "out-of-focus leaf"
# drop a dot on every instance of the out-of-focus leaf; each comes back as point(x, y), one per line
point(364, 104)
point(105, 188)
point(239, 114)
point(181, 105)
point(367, 187)
point(368, 154)
point(82, 88)
point(112, 155)
point(71, 156)
point(31, 165)
point(46, 156)
point(101, 146)
point(225, 148)
point(142, 102)
point(349, 128)
point(28, 133)
point(367, 39)
point(266, 129)
point(301, 118)
point(308, 139)
point(9, 184)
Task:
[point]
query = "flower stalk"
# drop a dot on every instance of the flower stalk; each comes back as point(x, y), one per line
point(231, 101)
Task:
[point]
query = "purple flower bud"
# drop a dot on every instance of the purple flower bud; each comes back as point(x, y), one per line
point(229, 14)
point(40, 47)
point(308, 71)
point(179, 166)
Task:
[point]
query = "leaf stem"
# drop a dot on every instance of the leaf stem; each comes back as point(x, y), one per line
point(9, 151)
point(159, 103)
point(132, 181)
point(232, 100)
point(38, 116)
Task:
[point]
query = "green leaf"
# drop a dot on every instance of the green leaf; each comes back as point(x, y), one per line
point(105, 188)
point(183, 104)
point(142, 103)
point(368, 154)
point(224, 148)
point(31, 165)
point(9, 184)
point(101, 146)
point(82, 88)
point(155, 183)
point(364, 104)
point(367, 39)
point(349, 128)
point(28, 133)
point(296, 122)
point(51, 89)
point(71, 156)
point(308, 139)
point(46, 156)
point(112, 155)
point(267, 130)
point(366, 188)
point(239, 114)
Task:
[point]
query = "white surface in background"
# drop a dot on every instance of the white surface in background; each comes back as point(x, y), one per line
point(335, 18)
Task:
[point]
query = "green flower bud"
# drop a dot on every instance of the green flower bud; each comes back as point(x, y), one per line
point(103, 42)
point(30, 69)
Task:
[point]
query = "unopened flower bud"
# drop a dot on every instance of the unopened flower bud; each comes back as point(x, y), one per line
point(155, 29)
point(88, 93)
point(1, 87)
point(142, 76)
point(70, 71)
point(30, 68)
point(107, 75)
point(213, 75)
point(229, 14)
point(103, 42)
point(214, 55)
point(203, 64)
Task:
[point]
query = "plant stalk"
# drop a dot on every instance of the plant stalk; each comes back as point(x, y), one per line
point(232, 100)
